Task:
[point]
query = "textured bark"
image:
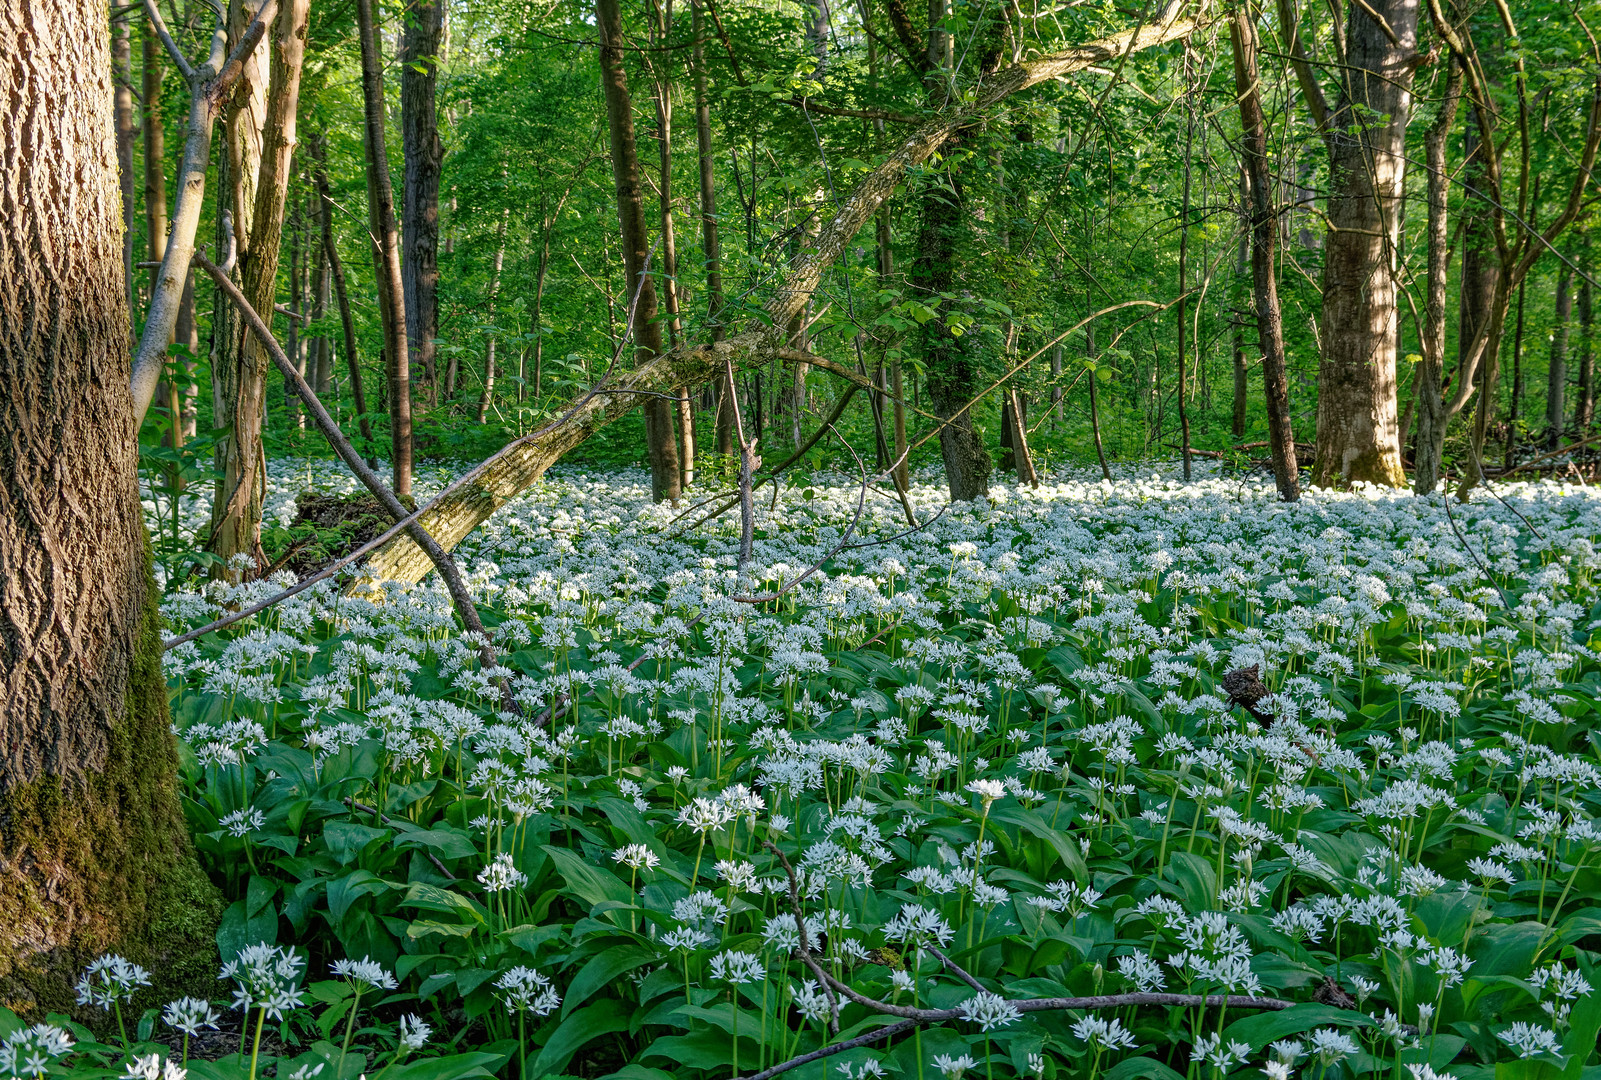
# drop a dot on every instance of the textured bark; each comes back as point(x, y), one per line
point(1432, 409)
point(525, 461)
point(420, 57)
point(240, 371)
point(93, 851)
point(385, 252)
point(1357, 432)
point(1264, 242)
point(661, 445)
point(1484, 290)
point(1556, 386)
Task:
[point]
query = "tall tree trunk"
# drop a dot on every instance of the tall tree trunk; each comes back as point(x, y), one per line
point(662, 446)
point(386, 252)
point(711, 249)
point(1242, 371)
point(1513, 414)
point(336, 277)
point(1264, 242)
point(487, 398)
point(1586, 410)
point(1556, 386)
point(94, 853)
point(1357, 431)
point(122, 64)
point(1433, 413)
point(155, 139)
point(953, 372)
point(682, 407)
point(322, 346)
point(420, 57)
point(259, 163)
point(1481, 292)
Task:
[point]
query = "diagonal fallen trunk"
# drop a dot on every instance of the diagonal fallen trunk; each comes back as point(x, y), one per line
point(525, 461)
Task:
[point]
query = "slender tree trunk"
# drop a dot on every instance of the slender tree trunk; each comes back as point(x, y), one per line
point(1264, 241)
point(487, 398)
point(1481, 294)
point(682, 406)
point(1586, 413)
point(711, 249)
point(94, 853)
point(1433, 413)
point(386, 252)
point(1556, 386)
point(1184, 249)
point(322, 347)
point(186, 331)
point(122, 64)
point(241, 405)
point(336, 277)
point(1242, 371)
point(421, 53)
point(1514, 414)
point(155, 138)
point(662, 446)
point(1357, 432)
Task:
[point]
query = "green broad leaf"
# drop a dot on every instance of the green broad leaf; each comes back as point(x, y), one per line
point(1065, 846)
point(432, 898)
point(442, 840)
point(592, 884)
point(347, 839)
point(453, 1067)
point(1263, 1028)
point(345, 891)
point(605, 1017)
point(1142, 1068)
point(425, 927)
point(603, 969)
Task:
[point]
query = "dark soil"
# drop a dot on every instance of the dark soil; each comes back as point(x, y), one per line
point(338, 525)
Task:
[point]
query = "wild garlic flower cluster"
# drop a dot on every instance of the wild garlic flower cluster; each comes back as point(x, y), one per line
point(1005, 732)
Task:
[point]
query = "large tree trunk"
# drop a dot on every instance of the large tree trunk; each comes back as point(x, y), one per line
point(526, 460)
point(241, 404)
point(662, 447)
point(386, 252)
point(94, 855)
point(322, 346)
point(1357, 431)
point(1556, 386)
point(1482, 294)
point(1264, 242)
point(420, 57)
point(1433, 413)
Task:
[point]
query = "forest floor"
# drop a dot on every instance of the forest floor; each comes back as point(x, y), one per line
point(996, 754)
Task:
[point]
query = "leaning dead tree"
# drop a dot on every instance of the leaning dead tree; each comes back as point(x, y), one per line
point(692, 364)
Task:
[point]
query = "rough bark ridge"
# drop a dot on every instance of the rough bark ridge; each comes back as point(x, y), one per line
point(525, 461)
point(420, 55)
point(1357, 427)
point(93, 850)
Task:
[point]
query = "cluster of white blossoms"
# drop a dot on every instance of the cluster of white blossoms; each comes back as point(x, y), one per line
point(1007, 726)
